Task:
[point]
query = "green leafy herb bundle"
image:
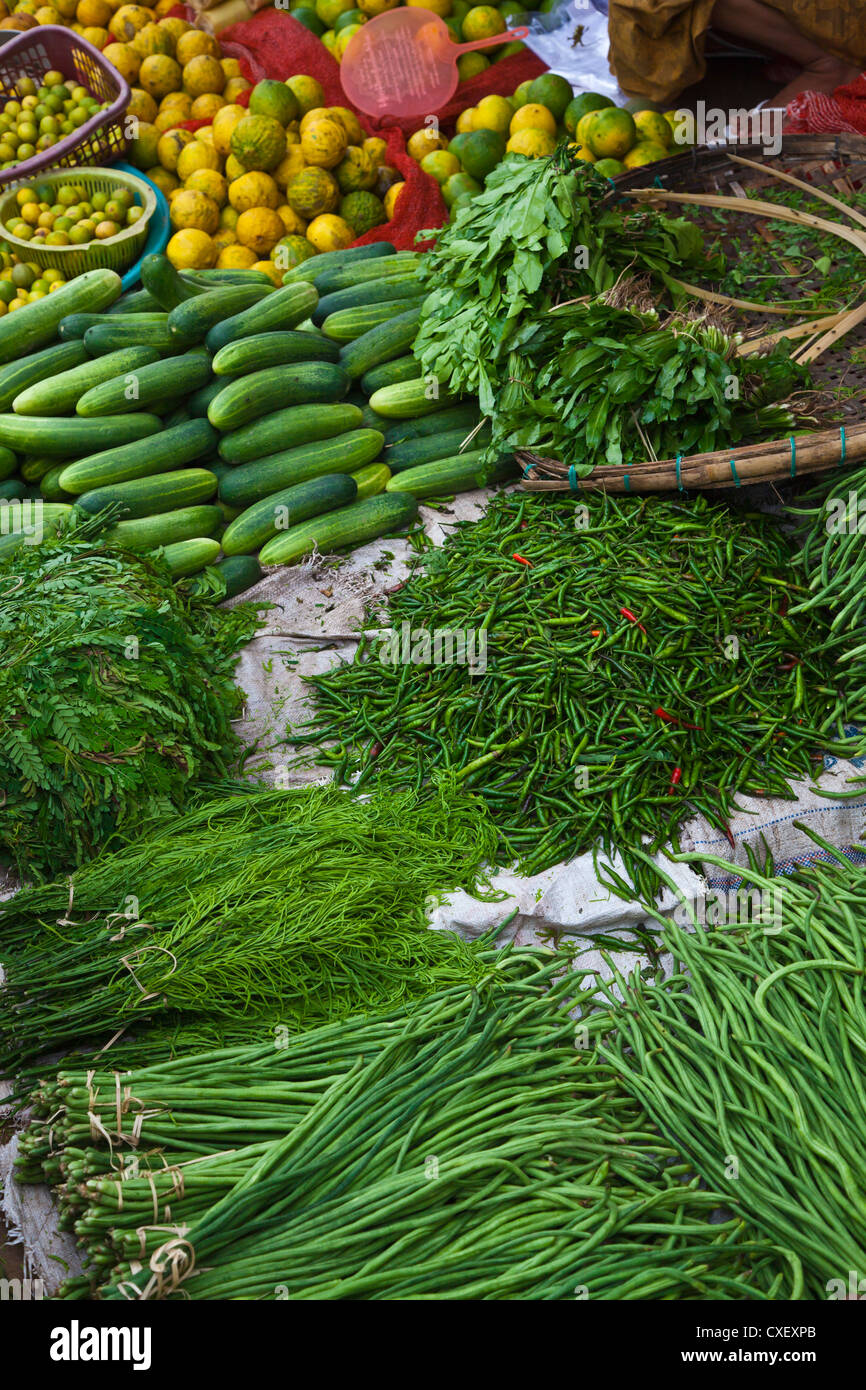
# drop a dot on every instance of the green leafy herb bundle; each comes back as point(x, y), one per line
point(116, 696)
point(255, 907)
point(593, 383)
point(537, 236)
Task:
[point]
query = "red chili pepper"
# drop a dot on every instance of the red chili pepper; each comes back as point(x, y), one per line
point(731, 841)
point(672, 719)
point(521, 559)
point(627, 613)
point(376, 749)
point(789, 665)
point(523, 525)
point(783, 607)
point(676, 776)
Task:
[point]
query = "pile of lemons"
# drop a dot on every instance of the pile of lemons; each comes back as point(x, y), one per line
point(269, 184)
point(337, 21)
point(531, 122)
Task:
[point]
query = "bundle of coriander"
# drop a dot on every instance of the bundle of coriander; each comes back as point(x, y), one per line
point(256, 908)
point(116, 697)
point(640, 667)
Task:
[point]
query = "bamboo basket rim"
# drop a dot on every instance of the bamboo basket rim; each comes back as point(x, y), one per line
point(769, 461)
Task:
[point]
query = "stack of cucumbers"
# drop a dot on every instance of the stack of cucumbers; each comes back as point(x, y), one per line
point(229, 422)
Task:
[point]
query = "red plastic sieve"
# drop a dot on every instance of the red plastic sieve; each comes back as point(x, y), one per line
point(404, 63)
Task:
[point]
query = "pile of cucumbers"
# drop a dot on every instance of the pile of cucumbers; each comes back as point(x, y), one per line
point(232, 422)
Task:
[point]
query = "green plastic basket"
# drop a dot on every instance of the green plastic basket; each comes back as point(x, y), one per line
point(115, 253)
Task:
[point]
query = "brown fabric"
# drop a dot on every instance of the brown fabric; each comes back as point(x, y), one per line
point(657, 46)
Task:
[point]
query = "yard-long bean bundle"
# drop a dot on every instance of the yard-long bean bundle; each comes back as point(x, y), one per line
point(462, 1147)
point(639, 667)
point(257, 907)
point(750, 1059)
point(832, 557)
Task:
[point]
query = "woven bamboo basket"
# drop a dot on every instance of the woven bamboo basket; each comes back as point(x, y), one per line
point(837, 165)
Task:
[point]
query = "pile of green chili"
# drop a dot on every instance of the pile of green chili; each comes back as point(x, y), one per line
point(639, 666)
point(750, 1060)
point(463, 1147)
point(832, 558)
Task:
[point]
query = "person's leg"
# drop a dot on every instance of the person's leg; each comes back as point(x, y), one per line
point(750, 19)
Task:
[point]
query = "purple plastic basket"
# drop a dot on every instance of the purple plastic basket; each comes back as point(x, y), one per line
point(37, 51)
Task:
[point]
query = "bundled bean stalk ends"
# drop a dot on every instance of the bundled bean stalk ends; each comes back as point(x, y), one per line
point(460, 1148)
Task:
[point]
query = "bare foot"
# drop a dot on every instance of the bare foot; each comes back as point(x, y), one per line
point(824, 75)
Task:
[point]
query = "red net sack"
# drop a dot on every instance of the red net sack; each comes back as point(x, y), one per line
point(272, 44)
point(819, 113)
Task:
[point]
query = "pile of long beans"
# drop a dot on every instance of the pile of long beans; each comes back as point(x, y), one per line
point(641, 666)
point(463, 1147)
point(255, 908)
point(833, 560)
point(750, 1060)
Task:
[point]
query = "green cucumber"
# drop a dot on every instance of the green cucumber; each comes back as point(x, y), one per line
point(189, 557)
point(13, 489)
point(159, 453)
point(348, 325)
point(136, 302)
point(165, 284)
point(59, 394)
point(157, 383)
point(245, 398)
point(33, 470)
point(39, 366)
point(281, 310)
point(160, 492)
point(298, 424)
point(238, 573)
point(372, 419)
point(93, 290)
point(411, 453)
point(286, 508)
point(33, 525)
point(446, 476)
point(147, 532)
point(199, 401)
point(262, 350)
point(382, 291)
point(350, 526)
point(50, 488)
point(347, 277)
point(406, 368)
point(343, 454)
point(191, 321)
point(74, 326)
point(215, 278)
point(371, 480)
point(329, 260)
point(406, 399)
point(382, 343)
point(8, 464)
point(125, 331)
point(45, 434)
point(465, 415)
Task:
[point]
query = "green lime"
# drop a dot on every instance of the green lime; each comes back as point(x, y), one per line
point(482, 152)
point(310, 20)
point(610, 168)
point(457, 144)
point(22, 276)
point(349, 17)
point(457, 184)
